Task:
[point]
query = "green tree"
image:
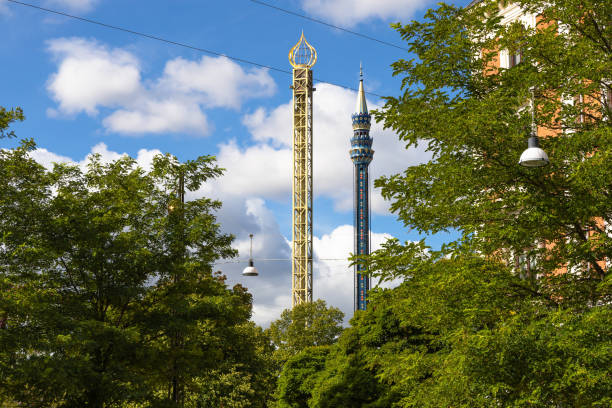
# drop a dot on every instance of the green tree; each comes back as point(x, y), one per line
point(6, 118)
point(399, 352)
point(246, 376)
point(300, 336)
point(489, 320)
point(306, 325)
point(347, 380)
point(298, 377)
point(466, 332)
point(108, 296)
point(475, 119)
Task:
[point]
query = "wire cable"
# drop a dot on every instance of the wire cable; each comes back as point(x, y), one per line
point(275, 260)
point(176, 43)
point(305, 17)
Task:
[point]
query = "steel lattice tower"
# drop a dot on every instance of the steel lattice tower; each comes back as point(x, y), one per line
point(361, 154)
point(302, 57)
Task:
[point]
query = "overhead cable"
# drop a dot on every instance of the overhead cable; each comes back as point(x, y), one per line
point(314, 20)
point(176, 43)
point(275, 260)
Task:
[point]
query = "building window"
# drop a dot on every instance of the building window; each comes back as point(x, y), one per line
point(514, 59)
point(606, 99)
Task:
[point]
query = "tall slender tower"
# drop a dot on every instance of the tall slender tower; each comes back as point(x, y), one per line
point(302, 57)
point(361, 155)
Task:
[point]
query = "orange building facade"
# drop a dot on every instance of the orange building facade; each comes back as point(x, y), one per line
point(511, 13)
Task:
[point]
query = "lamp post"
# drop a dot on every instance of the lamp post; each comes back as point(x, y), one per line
point(178, 204)
point(533, 156)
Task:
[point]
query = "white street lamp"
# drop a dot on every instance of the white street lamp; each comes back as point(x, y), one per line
point(533, 156)
point(250, 270)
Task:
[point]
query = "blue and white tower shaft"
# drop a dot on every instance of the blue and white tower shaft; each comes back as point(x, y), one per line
point(361, 155)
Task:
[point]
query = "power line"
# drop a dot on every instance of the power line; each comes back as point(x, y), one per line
point(275, 260)
point(293, 13)
point(176, 43)
point(152, 37)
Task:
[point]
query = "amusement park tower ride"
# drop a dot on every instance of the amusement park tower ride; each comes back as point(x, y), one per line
point(361, 155)
point(302, 57)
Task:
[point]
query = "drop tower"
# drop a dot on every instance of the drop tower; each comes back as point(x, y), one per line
point(302, 57)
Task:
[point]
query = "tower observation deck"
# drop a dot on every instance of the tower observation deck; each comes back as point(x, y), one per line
point(302, 57)
point(361, 154)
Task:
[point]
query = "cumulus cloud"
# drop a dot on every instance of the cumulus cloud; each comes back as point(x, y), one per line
point(333, 278)
point(271, 290)
point(81, 6)
point(219, 82)
point(258, 170)
point(351, 12)
point(48, 159)
point(264, 168)
point(144, 157)
point(159, 116)
point(91, 76)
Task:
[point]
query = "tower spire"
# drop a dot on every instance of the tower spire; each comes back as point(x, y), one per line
point(361, 154)
point(362, 106)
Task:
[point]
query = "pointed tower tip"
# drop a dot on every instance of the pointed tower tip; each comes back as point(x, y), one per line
point(362, 106)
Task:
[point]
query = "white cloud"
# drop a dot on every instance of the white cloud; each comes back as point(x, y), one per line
point(75, 5)
point(271, 290)
point(351, 12)
point(218, 81)
point(47, 158)
point(155, 116)
point(258, 170)
point(333, 279)
point(144, 157)
point(264, 169)
point(92, 76)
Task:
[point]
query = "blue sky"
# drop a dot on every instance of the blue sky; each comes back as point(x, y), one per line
point(86, 88)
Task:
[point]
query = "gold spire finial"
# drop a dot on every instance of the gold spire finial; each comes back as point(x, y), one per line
point(362, 106)
point(302, 54)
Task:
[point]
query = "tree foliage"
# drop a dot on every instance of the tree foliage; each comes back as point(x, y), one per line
point(6, 118)
point(516, 312)
point(467, 332)
point(245, 378)
point(108, 293)
point(306, 325)
point(300, 339)
point(474, 118)
point(298, 377)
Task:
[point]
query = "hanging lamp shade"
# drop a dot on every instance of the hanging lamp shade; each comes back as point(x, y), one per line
point(250, 270)
point(533, 156)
